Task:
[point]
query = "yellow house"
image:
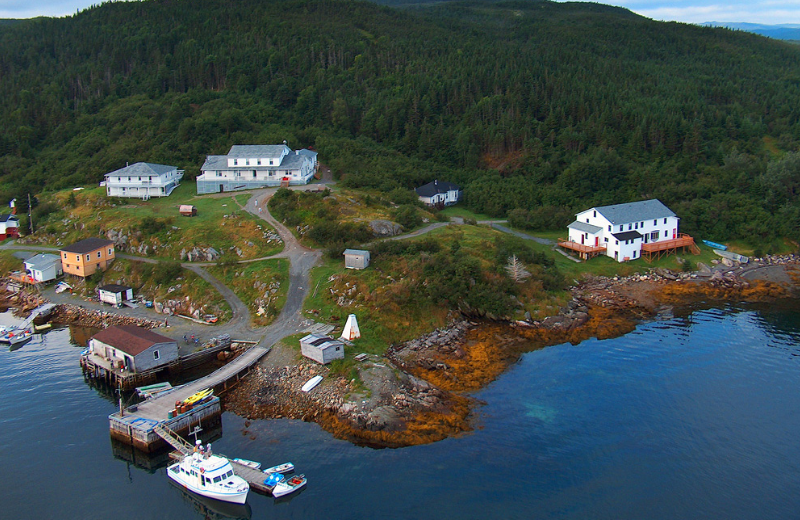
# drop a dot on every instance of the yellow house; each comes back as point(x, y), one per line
point(87, 256)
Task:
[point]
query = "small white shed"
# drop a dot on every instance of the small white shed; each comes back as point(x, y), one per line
point(322, 349)
point(114, 294)
point(356, 259)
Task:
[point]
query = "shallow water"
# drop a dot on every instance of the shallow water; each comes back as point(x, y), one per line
point(694, 417)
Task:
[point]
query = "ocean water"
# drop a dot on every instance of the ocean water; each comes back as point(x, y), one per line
point(697, 416)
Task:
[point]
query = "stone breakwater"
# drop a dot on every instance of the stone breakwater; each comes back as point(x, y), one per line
point(24, 302)
point(68, 314)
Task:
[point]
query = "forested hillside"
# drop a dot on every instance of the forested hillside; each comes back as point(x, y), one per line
point(537, 108)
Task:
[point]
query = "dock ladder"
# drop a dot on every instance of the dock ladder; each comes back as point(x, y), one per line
point(173, 439)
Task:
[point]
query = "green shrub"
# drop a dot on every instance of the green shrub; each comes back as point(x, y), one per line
point(166, 272)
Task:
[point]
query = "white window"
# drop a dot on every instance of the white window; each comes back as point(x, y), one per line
point(110, 251)
point(88, 257)
point(156, 355)
point(235, 162)
point(77, 258)
point(65, 256)
point(99, 254)
point(665, 221)
point(654, 235)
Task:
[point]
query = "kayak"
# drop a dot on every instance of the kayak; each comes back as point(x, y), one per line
point(202, 394)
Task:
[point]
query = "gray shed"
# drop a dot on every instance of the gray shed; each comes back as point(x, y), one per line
point(356, 259)
point(321, 349)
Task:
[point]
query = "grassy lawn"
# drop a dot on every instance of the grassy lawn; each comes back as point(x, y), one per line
point(262, 285)
point(162, 282)
point(220, 223)
point(381, 324)
point(459, 211)
point(9, 263)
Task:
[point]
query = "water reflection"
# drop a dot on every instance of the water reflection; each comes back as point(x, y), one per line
point(152, 462)
point(213, 509)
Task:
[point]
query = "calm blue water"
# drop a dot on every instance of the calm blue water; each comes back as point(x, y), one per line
point(694, 417)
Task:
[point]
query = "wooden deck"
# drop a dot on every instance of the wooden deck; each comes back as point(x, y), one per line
point(655, 250)
point(137, 424)
point(584, 251)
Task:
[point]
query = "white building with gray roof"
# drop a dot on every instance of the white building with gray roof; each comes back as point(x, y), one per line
point(623, 231)
point(143, 180)
point(248, 167)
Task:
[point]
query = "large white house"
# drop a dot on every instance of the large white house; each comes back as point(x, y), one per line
point(626, 231)
point(256, 166)
point(143, 180)
point(439, 193)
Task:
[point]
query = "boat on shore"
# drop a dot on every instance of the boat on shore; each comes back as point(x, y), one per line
point(287, 486)
point(311, 383)
point(286, 467)
point(209, 476)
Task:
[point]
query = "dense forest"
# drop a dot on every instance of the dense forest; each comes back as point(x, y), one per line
point(538, 109)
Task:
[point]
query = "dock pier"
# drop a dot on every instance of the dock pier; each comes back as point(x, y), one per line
point(139, 425)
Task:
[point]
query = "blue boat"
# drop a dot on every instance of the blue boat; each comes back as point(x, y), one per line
point(715, 245)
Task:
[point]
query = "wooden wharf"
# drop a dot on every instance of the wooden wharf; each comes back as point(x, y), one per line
point(97, 367)
point(140, 425)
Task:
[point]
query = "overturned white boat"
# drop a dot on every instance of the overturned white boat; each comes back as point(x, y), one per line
point(210, 476)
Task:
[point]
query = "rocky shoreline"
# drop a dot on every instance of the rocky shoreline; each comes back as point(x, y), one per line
point(418, 392)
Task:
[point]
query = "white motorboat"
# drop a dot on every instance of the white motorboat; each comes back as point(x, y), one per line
point(286, 467)
point(290, 485)
point(210, 476)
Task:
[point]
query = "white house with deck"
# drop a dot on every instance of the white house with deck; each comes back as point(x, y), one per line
point(143, 180)
point(256, 166)
point(627, 231)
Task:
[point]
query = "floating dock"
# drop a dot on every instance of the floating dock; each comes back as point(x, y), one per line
point(140, 425)
point(254, 477)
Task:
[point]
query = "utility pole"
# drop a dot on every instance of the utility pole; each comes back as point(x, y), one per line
point(30, 215)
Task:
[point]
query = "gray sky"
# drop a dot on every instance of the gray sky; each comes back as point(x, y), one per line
point(691, 11)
